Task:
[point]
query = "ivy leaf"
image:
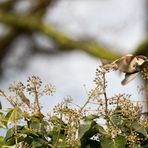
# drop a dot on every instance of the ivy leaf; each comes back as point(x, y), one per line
point(2, 140)
point(90, 117)
point(117, 120)
point(90, 127)
point(39, 143)
point(91, 144)
point(29, 132)
point(87, 130)
point(35, 123)
point(14, 115)
point(10, 135)
point(3, 123)
point(140, 129)
point(58, 137)
point(145, 146)
point(84, 127)
point(117, 142)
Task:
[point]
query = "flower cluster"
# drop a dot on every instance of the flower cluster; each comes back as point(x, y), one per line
point(17, 87)
point(114, 131)
point(70, 115)
point(144, 121)
point(71, 118)
point(34, 85)
point(132, 138)
point(129, 109)
point(100, 80)
point(49, 89)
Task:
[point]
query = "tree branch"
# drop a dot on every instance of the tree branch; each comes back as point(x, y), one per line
point(64, 42)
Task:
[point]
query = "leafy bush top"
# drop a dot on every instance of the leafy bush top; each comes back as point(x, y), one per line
point(123, 124)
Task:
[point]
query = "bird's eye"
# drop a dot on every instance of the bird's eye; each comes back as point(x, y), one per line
point(135, 66)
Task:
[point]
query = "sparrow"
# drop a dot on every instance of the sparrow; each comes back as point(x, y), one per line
point(128, 64)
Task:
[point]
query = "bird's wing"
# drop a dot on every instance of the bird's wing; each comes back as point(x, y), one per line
point(124, 63)
point(128, 78)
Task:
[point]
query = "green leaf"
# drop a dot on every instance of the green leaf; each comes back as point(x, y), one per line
point(3, 123)
point(145, 146)
point(35, 123)
point(10, 142)
point(58, 133)
point(87, 130)
point(90, 127)
point(58, 137)
point(29, 132)
point(38, 124)
point(92, 144)
point(90, 117)
point(36, 144)
point(2, 141)
point(84, 127)
point(117, 142)
point(14, 115)
point(117, 120)
point(11, 132)
point(39, 143)
point(140, 129)
point(34, 138)
point(10, 135)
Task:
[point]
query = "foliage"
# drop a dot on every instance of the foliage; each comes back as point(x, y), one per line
point(114, 122)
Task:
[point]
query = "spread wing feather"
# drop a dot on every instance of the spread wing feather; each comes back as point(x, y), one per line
point(128, 78)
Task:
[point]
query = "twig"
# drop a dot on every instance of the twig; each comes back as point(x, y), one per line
point(37, 100)
point(108, 120)
point(10, 101)
point(88, 100)
point(106, 101)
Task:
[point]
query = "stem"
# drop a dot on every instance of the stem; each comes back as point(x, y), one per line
point(10, 101)
point(88, 99)
point(37, 100)
point(51, 145)
point(58, 136)
point(16, 139)
point(108, 120)
point(106, 102)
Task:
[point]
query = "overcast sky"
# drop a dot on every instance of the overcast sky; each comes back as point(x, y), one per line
point(117, 24)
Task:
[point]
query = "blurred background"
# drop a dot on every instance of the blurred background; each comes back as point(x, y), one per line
point(62, 42)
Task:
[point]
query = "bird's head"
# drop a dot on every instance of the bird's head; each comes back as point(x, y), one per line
point(140, 59)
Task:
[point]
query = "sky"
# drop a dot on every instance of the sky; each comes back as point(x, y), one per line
point(117, 24)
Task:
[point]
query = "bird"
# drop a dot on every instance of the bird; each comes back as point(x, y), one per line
point(129, 64)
